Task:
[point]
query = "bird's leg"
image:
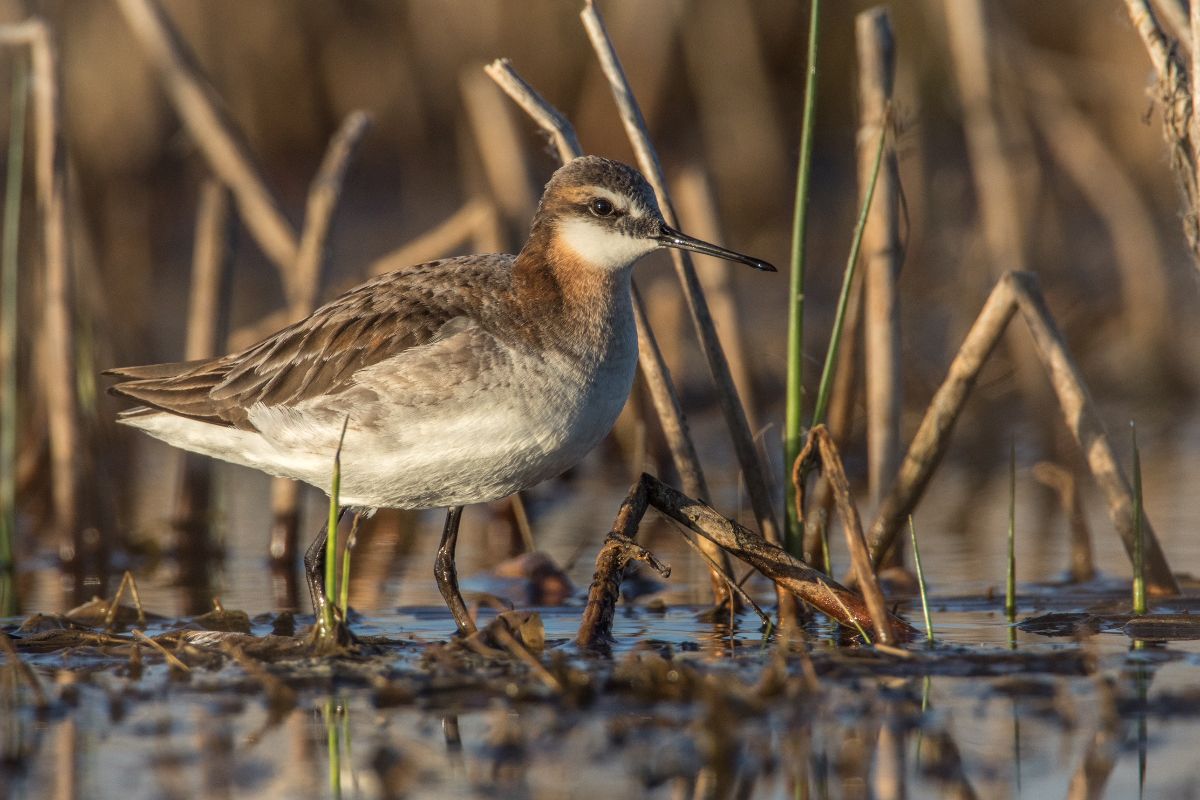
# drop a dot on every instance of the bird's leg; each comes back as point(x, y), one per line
point(446, 573)
point(314, 566)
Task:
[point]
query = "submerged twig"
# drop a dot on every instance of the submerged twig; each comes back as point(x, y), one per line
point(820, 448)
point(788, 573)
point(619, 549)
point(171, 658)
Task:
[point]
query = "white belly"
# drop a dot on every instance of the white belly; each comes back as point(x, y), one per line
point(481, 442)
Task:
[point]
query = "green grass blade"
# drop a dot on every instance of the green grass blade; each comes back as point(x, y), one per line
point(344, 594)
point(1139, 552)
point(1010, 583)
point(835, 339)
point(334, 746)
point(793, 433)
point(921, 580)
point(8, 337)
point(335, 488)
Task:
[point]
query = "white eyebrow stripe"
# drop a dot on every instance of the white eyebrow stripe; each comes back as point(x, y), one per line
point(619, 201)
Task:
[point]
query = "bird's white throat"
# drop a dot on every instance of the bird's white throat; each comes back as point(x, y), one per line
point(601, 246)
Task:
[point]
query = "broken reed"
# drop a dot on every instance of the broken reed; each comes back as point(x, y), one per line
point(8, 337)
point(921, 580)
point(793, 433)
point(1139, 560)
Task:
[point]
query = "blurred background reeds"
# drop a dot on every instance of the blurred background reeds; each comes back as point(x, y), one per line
point(1028, 138)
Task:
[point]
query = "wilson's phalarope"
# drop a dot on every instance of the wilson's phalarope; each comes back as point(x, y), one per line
point(464, 380)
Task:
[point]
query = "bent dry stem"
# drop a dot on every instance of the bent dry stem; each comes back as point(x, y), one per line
point(1018, 292)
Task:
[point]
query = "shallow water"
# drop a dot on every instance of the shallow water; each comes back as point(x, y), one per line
point(1021, 711)
point(991, 711)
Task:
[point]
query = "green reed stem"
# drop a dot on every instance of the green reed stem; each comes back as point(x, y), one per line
point(344, 597)
point(793, 433)
point(335, 748)
point(1010, 584)
point(335, 487)
point(835, 339)
point(8, 338)
point(1139, 548)
point(921, 580)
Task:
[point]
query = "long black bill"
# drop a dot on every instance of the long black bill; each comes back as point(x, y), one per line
point(669, 237)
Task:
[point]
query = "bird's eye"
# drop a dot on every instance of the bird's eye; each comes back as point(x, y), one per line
point(601, 207)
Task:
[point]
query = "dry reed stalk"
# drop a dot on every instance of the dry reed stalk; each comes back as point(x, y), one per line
point(1176, 92)
point(656, 376)
point(498, 142)
point(312, 261)
point(214, 132)
point(207, 311)
point(1175, 14)
point(1018, 291)
point(1082, 419)
point(787, 572)
point(881, 250)
point(731, 406)
point(698, 210)
point(300, 259)
point(840, 424)
point(58, 372)
point(820, 446)
point(562, 133)
point(666, 403)
point(1062, 480)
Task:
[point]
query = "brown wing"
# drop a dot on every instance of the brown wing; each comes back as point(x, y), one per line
point(320, 354)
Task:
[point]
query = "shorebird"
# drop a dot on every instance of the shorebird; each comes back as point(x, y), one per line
point(458, 381)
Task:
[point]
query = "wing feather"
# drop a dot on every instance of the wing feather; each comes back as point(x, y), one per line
point(321, 354)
